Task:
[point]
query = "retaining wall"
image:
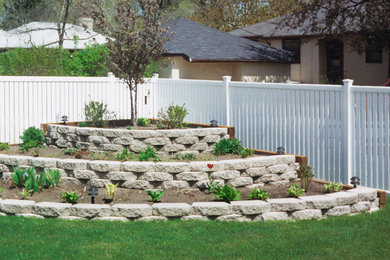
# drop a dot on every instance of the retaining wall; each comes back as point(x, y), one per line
point(249, 172)
point(311, 207)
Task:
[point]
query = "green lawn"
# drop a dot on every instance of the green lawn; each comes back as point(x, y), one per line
point(364, 236)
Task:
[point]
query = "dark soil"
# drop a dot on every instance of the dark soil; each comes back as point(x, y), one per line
point(109, 156)
point(140, 196)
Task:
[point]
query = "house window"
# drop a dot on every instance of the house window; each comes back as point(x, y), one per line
point(294, 46)
point(373, 53)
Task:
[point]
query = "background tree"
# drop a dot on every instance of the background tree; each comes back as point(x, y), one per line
point(136, 39)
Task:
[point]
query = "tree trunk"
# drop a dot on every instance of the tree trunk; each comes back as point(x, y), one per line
point(130, 85)
point(135, 102)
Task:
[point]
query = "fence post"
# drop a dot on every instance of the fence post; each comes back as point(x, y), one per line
point(152, 96)
point(226, 81)
point(347, 120)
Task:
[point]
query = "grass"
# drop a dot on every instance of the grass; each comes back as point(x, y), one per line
point(363, 236)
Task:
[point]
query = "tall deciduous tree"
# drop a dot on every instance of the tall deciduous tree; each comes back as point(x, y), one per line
point(136, 39)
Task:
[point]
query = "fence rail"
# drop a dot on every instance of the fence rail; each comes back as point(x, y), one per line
point(343, 129)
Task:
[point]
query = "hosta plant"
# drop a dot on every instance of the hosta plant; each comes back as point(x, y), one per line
point(147, 154)
point(155, 195)
point(70, 197)
point(228, 146)
point(295, 191)
point(258, 194)
point(142, 121)
point(227, 193)
point(52, 177)
point(111, 189)
point(333, 187)
point(4, 146)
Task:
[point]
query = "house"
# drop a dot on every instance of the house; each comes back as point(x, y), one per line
point(46, 34)
point(195, 51)
point(320, 60)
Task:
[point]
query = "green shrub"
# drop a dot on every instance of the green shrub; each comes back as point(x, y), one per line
point(32, 180)
point(83, 124)
point(247, 152)
point(70, 151)
point(142, 121)
point(333, 187)
point(128, 127)
point(4, 146)
point(19, 177)
point(227, 193)
point(96, 114)
point(155, 195)
point(305, 173)
point(148, 153)
point(32, 137)
point(53, 177)
point(228, 146)
point(70, 197)
point(172, 117)
point(25, 193)
point(295, 191)
point(125, 155)
point(258, 194)
point(212, 185)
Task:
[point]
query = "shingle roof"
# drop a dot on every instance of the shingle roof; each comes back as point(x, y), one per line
point(41, 33)
point(197, 42)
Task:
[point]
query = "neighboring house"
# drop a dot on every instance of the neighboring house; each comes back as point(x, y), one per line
point(319, 60)
point(46, 34)
point(195, 51)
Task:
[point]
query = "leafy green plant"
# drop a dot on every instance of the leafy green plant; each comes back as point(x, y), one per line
point(125, 155)
point(155, 195)
point(53, 177)
point(333, 187)
point(96, 114)
point(246, 152)
point(70, 151)
point(185, 156)
point(227, 193)
point(70, 197)
point(83, 124)
point(32, 137)
point(1, 191)
point(142, 121)
point(111, 189)
point(172, 117)
point(305, 173)
point(228, 146)
point(212, 185)
point(33, 181)
point(295, 191)
point(147, 154)
point(19, 177)
point(128, 127)
point(4, 146)
point(258, 194)
point(25, 193)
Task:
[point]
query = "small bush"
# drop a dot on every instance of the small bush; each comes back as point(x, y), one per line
point(128, 127)
point(212, 185)
point(25, 193)
point(142, 121)
point(83, 124)
point(155, 195)
point(227, 193)
point(4, 146)
point(305, 173)
point(333, 187)
point(247, 152)
point(32, 137)
point(96, 114)
point(173, 117)
point(125, 155)
point(19, 177)
point(258, 194)
point(228, 146)
point(295, 191)
point(147, 154)
point(52, 177)
point(111, 189)
point(70, 197)
point(70, 151)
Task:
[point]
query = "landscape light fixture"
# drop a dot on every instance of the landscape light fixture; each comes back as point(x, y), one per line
point(64, 119)
point(280, 150)
point(355, 181)
point(213, 123)
point(92, 191)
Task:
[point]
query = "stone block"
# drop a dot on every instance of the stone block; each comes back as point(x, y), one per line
point(131, 210)
point(292, 175)
point(123, 133)
point(15, 160)
point(273, 216)
point(7, 176)
point(104, 166)
point(52, 209)
point(202, 166)
point(339, 211)
point(98, 140)
point(233, 217)
point(284, 159)
point(137, 184)
point(17, 206)
point(99, 183)
point(237, 164)
point(344, 198)
point(123, 140)
point(121, 176)
point(152, 218)
point(268, 178)
point(278, 169)
point(175, 185)
point(171, 209)
point(212, 208)
point(194, 217)
point(29, 215)
point(70, 218)
point(362, 206)
point(44, 162)
point(85, 174)
point(200, 147)
point(172, 148)
point(143, 134)
point(226, 175)
point(85, 146)
point(62, 143)
point(72, 138)
point(172, 167)
point(364, 194)
point(4, 168)
point(70, 180)
point(307, 214)
point(87, 131)
point(202, 185)
point(174, 133)
point(287, 204)
point(72, 164)
point(192, 176)
point(262, 161)
point(156, 176)
point(122, 219)
point(241, 181)
point(187, 140)
point(111, 147)
point(157, 141)
point(137, 146)
point(211, 139)
point(66, 129)
point(90, 210)
point(254, 207)
point(255, 172)
point(138, 167)
point(319, 202)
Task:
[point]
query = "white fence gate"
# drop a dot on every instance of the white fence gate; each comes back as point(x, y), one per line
point(344, 130)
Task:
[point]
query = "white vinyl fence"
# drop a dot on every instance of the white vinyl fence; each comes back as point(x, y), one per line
point(344, 130)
